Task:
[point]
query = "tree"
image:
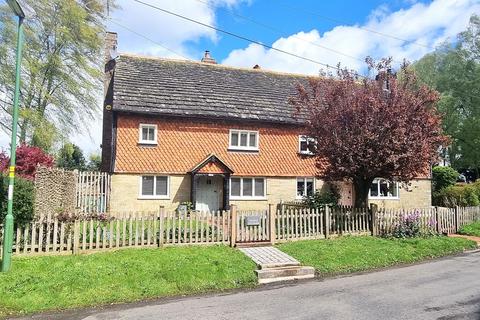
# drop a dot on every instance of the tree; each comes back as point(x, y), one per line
point(454, 71)
point(386, 128)
point(443, 177)
point(95, 162)
point(28, 158)
point(70, 156)
point(61, 68)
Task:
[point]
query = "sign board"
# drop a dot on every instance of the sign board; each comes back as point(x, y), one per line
point(252, 220)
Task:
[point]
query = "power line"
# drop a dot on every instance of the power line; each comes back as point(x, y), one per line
point(240, 36)
point(360, 27)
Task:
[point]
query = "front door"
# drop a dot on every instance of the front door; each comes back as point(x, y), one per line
point(209, 193)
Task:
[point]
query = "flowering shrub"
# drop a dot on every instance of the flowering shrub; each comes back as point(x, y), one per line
point(408, 226)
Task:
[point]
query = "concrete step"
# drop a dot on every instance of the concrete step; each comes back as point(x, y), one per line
point(278, 265)
point(286, 273)
point(253, 244)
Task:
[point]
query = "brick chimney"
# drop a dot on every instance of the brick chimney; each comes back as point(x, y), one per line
point(207, 58)
point(108, 122)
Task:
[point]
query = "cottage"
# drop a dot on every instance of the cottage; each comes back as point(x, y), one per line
point(180, 131)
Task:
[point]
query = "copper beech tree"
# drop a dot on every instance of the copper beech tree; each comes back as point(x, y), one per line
point(387, 127)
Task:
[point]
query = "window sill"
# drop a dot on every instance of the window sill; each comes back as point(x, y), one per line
point(243, 150)
point(248, 198)
point(304, 153)
point(147, 143)
point(153, 198)
point(383, 198)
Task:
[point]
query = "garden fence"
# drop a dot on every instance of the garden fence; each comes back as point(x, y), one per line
point(98, 232)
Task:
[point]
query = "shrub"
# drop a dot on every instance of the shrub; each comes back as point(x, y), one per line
point(463, 196)
point(329, 194)
point(408, 226)
point(28, 158)
point(23, 200)
point(443, 177)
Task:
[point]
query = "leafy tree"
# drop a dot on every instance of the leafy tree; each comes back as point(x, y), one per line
point(371, 128)
point(454, 71)
point(95, 162)
point(28, 158)
point(443, 177)
point(70, 156)
point(61, 68)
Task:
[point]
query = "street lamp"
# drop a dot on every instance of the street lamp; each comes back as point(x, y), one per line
point(22, 11)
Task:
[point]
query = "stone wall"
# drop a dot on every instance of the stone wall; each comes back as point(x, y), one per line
point(54, 191)
point(417, 195)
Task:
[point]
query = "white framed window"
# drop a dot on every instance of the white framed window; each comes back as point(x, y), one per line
point(147, 133)
point(306, 145)
point(305, 187)
point(154, 187)
point(247, 188)
point(243, 140)
point(383, 189)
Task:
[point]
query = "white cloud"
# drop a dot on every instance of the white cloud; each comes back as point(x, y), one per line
point(427, 24)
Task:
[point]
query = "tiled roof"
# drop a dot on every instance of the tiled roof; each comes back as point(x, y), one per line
point(191, 89)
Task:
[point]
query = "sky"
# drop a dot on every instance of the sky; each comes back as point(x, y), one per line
point(328, 32)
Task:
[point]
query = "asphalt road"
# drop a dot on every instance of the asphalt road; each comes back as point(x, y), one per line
point(442, 289)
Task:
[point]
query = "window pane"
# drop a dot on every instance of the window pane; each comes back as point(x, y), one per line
point(243, 139)
point(161, 185)
point(234, 139)
point(374, 189)
point(383, 188)
point(253, 140)
point(393, 189)
point(300, 187)
point(309, 187)
point(235, 187)
point(151, 134)
point(259, 187)
point(247, 187)
point(303, 145)
point(147, 186)
point(144, 133)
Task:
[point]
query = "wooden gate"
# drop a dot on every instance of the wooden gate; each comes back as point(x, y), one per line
point(253, 226)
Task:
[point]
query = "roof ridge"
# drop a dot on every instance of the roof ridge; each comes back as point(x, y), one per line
point(221, 66)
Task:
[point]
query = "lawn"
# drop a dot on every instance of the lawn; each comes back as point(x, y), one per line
point(60, 282)
point(472, 229)
point(352, 254)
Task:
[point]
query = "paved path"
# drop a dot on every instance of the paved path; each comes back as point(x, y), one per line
point(473, 238)
point(269, 256)
point(443, 289)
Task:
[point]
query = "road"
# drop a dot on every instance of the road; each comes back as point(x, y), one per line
point(442, 289)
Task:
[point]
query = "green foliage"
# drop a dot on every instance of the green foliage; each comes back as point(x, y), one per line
point(61, 67)
point(329, 194)
point(454, 70)
point(23, 200)
point(95, 162)
point(353, 254)
point(443, 177)
point(60, 282)
point(472, 229)
point(458, 195)
point(70, 156)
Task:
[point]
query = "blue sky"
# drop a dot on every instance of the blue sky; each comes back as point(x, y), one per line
point(325, 31)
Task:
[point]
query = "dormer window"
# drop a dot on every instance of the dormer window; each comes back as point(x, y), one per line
point(147, 134)
point(306, 145)
point(243, 140)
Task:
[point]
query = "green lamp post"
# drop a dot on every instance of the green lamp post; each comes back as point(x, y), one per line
point(22, 11)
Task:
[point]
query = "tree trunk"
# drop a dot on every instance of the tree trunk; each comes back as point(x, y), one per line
point(361, 187)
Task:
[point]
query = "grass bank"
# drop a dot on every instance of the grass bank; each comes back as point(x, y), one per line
point(60, 282)
point(353, 254)
point(472, 229)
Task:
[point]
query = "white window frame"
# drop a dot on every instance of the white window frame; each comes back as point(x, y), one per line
point(304, 186)
point(140, 131)
point(253, 197)
point(307, 139)
point(379, 197)
point(248, 132)
point(154, 196)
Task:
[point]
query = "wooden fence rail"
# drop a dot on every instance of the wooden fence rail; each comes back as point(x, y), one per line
point(160, 228)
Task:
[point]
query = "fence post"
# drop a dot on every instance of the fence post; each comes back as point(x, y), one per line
point(76, 236)
point(456, 218)
point(272, 217)
point(437, 220)
point(161, 227)
point(327, 221)
point(233, 223)
point(373, 212)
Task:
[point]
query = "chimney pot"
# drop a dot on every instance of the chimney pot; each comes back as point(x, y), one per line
point(207, 58)
point(256, 66)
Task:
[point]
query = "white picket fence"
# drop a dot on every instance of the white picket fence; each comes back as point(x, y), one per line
point(92, 192)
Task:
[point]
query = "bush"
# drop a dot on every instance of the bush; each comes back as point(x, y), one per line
point(443, 177)
point(463, 196)
point(23, 199)
point(329, 194)
point(28, 158)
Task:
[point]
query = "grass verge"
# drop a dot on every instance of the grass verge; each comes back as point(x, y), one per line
point(353, 254)
point(61, 282)
point(472, 229)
